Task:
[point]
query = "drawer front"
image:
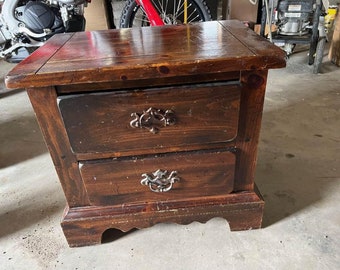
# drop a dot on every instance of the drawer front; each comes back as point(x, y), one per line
point(189, 176)
point(115, 122)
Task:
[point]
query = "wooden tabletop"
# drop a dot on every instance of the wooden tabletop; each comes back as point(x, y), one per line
point(145, 53)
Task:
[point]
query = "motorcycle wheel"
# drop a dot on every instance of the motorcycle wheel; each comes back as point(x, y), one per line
point(171, 12)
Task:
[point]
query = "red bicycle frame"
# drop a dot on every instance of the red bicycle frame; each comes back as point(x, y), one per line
point(151, 13)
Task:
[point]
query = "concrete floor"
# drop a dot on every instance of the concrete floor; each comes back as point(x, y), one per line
point(298, 173)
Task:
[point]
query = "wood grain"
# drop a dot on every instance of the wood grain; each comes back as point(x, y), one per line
point(202, 174)
point(147, 53)
point(212, 76)
point(85, 226)
point(44, 102)
point(100, 123)
point(252, 99)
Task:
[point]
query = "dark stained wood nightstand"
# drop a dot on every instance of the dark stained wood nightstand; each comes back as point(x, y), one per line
point(152, 125)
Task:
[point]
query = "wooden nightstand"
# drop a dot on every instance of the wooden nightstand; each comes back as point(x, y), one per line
point(152, 125)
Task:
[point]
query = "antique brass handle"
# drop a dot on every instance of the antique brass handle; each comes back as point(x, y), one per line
point(153, 119)
point(160, 180)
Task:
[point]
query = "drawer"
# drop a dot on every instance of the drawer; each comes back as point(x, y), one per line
point(190, 176)
point(162, 118)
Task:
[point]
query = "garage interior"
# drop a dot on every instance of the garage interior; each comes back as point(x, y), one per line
point(297, 173)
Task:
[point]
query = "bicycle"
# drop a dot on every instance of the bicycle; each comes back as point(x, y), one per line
point(140, 13)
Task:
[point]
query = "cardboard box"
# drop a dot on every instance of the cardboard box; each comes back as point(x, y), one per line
point(334, 50)
point(96, 16)
point(257, 29)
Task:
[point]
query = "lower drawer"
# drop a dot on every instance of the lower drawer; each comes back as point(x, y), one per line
point(190, 176)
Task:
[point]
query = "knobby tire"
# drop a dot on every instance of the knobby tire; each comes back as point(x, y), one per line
point(171, 12)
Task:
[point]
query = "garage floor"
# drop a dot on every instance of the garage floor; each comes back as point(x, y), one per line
point(298, 173)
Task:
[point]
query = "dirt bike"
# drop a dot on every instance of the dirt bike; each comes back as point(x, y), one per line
point(25, 25)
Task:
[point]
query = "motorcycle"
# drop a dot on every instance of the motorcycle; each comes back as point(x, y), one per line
point(25, 25)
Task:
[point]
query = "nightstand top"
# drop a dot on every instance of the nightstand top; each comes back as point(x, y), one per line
point(145, 53)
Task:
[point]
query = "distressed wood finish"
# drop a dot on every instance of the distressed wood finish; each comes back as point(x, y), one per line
point(254, 83)
point(201, 174)
point(243, 211)
point(204, 114)
point(45, 107)
point(155, 54)
point(84, 87)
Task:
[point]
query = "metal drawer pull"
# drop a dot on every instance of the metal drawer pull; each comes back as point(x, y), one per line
point(153, 119)
point(159, 181)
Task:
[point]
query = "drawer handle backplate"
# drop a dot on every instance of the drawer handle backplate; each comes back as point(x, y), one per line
point(160, 180)
point(153, 119)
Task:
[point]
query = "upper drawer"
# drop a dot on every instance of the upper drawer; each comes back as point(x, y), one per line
point(168, 118)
